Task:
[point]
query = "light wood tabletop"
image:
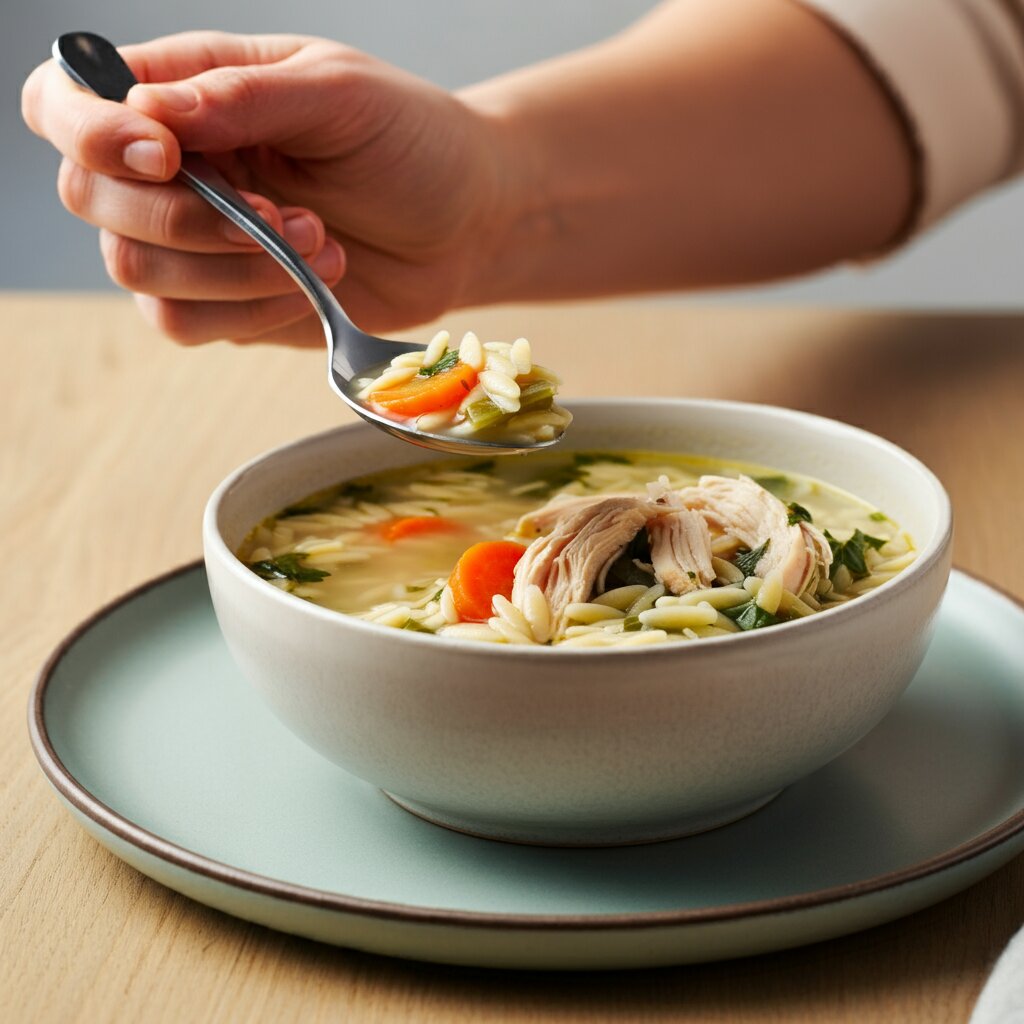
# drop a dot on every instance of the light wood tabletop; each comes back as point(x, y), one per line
point(112, 440)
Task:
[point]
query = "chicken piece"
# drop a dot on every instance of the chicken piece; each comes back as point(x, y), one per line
point(547, 517)
point(741, 508)
point(681, 551)
point(585, 540)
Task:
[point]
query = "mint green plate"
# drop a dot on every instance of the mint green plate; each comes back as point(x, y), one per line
point(158, 747)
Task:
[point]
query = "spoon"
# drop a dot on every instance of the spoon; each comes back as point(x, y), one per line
point(93, 62)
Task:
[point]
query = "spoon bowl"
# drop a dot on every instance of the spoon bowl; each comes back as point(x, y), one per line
point(94, 63)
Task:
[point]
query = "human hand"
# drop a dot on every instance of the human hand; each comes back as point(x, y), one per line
point(391, 187)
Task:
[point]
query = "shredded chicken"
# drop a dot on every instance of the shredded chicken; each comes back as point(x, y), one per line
point(743, 509)
point(681, 551)
point(567, 563)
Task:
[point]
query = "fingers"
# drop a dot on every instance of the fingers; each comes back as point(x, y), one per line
point(173, 216)
point(103, 136)
point(237, 106)
point(155, 270)
point(190, 53)
point(284, 318)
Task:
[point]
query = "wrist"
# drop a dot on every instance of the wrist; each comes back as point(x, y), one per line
point(517, 223)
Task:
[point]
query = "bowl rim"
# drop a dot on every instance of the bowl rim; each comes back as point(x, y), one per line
point(216, 548)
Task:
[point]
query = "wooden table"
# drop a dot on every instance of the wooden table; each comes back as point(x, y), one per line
point(112, 439)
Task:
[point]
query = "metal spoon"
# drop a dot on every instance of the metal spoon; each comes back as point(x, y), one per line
point(93, 62)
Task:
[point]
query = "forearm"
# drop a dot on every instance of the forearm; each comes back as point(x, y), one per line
point(715, 142)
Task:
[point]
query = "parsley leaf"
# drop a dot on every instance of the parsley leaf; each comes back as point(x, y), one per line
point(446, 362)
point(746, 560)
point(287, 567)
point(878, 517)
point(851, 553)
point(750, 615)
point(797, 514)
point(479, 467)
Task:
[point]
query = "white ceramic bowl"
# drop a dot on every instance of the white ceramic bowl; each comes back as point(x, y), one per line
point(577, 746)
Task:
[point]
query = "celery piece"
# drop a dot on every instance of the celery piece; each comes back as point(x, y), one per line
point(484, 413)
point(538, 394)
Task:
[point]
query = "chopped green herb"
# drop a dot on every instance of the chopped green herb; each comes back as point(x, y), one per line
point(878, 517)
point(750, 615)
point(746, 560)
point(356, 490)
point(416, 627)
point(692, 575)
point(590, 458)
point(437, 596)
point(632, 624)
point(851, 553)
point(480, 467)
point(797, 514)
point(561, 476)
point(625, 572)
point(288, 567)
point(776, 484)
point(446, 362)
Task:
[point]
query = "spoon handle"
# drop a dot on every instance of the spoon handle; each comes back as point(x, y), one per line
point(94, 63)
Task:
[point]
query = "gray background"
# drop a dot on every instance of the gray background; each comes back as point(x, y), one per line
point(974, 259)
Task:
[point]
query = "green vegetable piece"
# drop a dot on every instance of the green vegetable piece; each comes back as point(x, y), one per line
point(591, 458)
point(750, 615)
point(746, 560)
point(624, 571)
point(776, 484)
point(356, 491)
point(851, 553)
point(538, 394)
point(878, 517)
point(692, 575)
point(416, 627)
point(632, 624)
point(484, 413)
point(480, 467)
point(797, 514)
point(446, 362)
point(288, 567)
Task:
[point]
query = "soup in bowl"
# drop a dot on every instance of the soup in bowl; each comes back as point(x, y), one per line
point(566, 712)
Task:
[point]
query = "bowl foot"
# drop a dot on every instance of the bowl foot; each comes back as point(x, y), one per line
point(535, 834)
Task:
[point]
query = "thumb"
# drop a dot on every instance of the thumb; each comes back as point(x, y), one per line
point(285, 104)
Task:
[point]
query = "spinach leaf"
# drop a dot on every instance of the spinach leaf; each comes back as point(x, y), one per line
point(750, 615)
point(776, 484)
point(561, 476)
point(851, 553)
point(746, 560)
point(624, 571)
point(797, 514)
point(590, 458)
point(287, 567)
point(446, 362)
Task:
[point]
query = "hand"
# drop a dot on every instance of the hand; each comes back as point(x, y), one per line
point(391, 187)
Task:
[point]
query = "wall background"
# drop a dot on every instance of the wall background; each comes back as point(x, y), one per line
point(975, 259)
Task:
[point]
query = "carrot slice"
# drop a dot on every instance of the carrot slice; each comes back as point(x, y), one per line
point(427, 394)
point(418, 526)
point(484, 570)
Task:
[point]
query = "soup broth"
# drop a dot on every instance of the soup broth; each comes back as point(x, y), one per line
point(394, 547)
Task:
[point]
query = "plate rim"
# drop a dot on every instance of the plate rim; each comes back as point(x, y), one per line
point(148, 842)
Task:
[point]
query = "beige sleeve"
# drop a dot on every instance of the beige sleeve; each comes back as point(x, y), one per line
point(955, 68)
